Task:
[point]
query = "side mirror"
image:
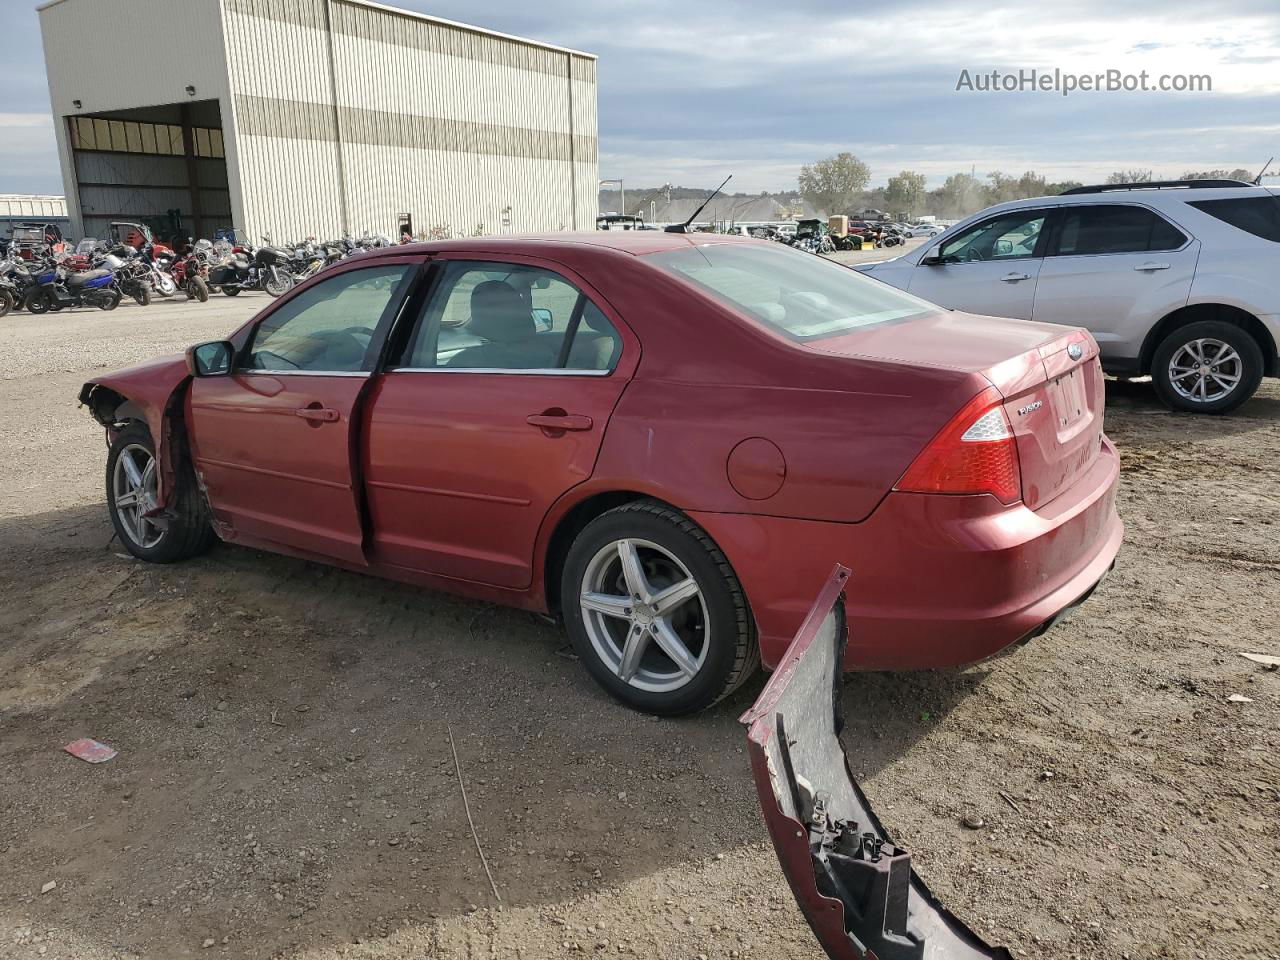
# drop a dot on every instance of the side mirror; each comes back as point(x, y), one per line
point(542, 318)
point(210, 359)
point(932, 257)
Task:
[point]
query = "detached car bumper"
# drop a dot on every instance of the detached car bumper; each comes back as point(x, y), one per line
point(854, 885)
point(943, 580)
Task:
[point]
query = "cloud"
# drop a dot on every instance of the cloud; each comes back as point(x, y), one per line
point(690, 92)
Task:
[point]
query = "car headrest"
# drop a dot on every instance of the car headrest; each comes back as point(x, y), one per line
point(499, 314)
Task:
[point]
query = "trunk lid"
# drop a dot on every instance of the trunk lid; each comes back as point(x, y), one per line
point(1049, 375)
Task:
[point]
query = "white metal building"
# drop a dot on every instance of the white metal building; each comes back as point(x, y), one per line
point(31, 208)
point(297, 118)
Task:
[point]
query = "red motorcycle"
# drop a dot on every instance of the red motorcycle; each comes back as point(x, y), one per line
point(190, 272)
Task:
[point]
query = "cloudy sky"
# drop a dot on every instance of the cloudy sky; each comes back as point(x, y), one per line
point(690, 92)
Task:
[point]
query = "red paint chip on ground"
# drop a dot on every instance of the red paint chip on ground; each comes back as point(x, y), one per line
point(91, 751)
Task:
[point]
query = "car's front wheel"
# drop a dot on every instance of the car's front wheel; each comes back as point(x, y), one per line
point(182, 530)
point(1207, 367)
point(655, 612)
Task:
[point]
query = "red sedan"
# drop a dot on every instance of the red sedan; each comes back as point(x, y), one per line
point(667, 440)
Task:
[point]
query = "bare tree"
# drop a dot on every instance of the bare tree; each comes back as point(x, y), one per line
point(833, 184)
point(1130, 176)
point(1239, 173)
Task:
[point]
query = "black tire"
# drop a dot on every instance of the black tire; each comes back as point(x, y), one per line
point(1248, 367)
point(188, 532)
point(6, 302)
point(230, 291)
point(278, 287)
point(197, 289)
point(37, 301)
point(733, 654)
point(143, 295)
point(110, 303)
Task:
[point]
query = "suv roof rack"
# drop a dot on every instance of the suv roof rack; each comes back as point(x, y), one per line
point(1157, 185)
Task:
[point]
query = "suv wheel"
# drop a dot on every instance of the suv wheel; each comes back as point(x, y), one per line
point(655, 612)
point(1207, 367)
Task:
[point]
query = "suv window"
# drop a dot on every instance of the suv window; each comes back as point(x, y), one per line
point(327, 328)
point(1114, 228)
point(1006, 237)
point(1257, 215)
point(501, 316)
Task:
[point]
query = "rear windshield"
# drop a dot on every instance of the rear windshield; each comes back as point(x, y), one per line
point(802, 296)
point(1257, 215)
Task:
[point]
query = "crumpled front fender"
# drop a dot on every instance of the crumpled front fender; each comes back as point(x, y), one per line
point(151, 392)
point(854, 885)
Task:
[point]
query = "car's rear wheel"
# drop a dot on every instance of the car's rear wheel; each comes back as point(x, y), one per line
point(655, 612)
point(132, 475)
point(1207, 367)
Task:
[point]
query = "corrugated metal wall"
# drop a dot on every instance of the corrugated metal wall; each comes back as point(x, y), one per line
point(139, 54)
point(346, 115)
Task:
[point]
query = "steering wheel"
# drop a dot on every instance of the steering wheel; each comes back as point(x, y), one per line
point(971, 255)
point(357, 331)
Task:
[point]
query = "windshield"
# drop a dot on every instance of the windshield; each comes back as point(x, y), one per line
point(802, 296)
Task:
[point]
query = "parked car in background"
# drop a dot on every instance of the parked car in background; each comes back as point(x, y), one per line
point(1175, 280)
point(665, 439)
point(923, 230)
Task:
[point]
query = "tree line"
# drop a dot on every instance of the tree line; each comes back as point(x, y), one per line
point(839, 184)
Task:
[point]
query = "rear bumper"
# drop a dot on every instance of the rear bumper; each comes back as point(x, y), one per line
point(938, 581)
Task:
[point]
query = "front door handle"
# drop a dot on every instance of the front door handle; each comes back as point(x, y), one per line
point(559, 421)
point(1143, 267)
point(1014, 277)
point(318, 414)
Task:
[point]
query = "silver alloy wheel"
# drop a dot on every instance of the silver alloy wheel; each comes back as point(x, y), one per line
point(645, 615)
point(133, 487)
point(1205, 370)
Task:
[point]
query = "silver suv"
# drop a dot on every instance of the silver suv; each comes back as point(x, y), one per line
point(1178, 279)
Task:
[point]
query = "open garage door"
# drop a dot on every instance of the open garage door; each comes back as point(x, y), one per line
point(163, 166)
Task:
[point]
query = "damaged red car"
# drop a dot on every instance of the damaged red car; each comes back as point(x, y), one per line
point(664, 439)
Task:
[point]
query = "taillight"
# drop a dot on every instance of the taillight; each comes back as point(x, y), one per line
point(974, 453)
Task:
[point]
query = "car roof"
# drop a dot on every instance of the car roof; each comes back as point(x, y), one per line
point(634, 242)
point(1152, 196)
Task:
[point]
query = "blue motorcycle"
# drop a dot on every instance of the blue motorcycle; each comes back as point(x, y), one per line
point(56, 288)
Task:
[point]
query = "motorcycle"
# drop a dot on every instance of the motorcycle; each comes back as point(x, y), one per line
point(56, 288)
point(15, 274)
point(157, 255)
point(133, 276)
point(252, 268)
point(8, 293)
point(190, 273)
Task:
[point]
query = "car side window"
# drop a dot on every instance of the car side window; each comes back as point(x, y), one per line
point(1009, 236)
point(1114, 228)
point(499, 316)
point(1257, 215)
point(328, 327)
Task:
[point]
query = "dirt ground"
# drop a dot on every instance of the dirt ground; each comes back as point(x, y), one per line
point(285, 785)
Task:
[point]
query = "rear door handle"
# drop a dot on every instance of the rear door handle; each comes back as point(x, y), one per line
point(318, 414)
point(563, 421)
point(1014, 277)
point(1143, 267)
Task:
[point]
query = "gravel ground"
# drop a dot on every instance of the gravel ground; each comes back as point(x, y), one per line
point(285, 785)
